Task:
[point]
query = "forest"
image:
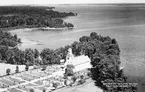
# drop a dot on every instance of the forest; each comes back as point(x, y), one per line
point(31, 16)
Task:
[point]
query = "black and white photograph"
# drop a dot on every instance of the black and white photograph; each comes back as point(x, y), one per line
point(72, 46)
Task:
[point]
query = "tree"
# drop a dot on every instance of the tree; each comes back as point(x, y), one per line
point(17, 69)
point(44, 90)
point(94, 35)
point(29, 56)
point(69, 25)
point(36, 53)
point(44, 67)
point(0, 57)
point(74, 78)
point(105, 61)
point(15, 37)
point(82, 80)
point(46, 55)
point(19, 40)
point(8, 71)
point(69, 70)
point(5, 42)
point(31, 90)
point(8, 42)
point(3, 50)
point(10, 56)
point(114, 41)
point(55, 85)
point(50, 56)
point(26, 67)
point(76, 48)
point(84, 39)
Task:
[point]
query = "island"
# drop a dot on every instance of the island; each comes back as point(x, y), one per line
point(33, 17)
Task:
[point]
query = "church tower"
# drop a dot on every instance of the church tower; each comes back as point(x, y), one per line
point(69, 57)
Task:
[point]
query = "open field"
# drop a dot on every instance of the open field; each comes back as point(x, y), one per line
point(86, 87)
point(3, 68)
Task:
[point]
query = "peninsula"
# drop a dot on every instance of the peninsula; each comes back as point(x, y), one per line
point(33, 17)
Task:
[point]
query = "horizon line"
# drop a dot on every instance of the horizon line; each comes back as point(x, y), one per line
point(74, 4)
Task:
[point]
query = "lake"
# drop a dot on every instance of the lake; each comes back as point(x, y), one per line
point(125, 23)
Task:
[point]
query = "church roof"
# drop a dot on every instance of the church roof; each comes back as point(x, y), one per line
point(80, 62)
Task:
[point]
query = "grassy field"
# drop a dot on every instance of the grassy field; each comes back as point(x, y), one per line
point(3, 68)
point(86, 87)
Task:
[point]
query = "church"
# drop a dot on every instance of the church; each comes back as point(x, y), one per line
point(80, 62)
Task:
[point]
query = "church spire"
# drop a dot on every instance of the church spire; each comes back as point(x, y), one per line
point(69, 57)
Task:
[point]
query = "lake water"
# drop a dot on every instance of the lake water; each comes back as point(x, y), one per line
point(124, 23)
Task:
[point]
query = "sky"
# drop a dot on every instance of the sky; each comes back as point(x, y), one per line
point(45, 2)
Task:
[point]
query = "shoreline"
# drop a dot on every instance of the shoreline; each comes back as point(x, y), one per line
point(28, 42)
point(55, 29)
point(25, 41)
point(35, 28)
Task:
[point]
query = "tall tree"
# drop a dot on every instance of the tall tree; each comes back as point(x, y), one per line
point(29, 56)
point(8, 71)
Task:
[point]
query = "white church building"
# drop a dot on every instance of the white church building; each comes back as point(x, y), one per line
point(80, 62)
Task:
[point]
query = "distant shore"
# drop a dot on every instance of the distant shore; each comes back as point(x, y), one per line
point(49, 28)
point(18, 27)
point(34, 28)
